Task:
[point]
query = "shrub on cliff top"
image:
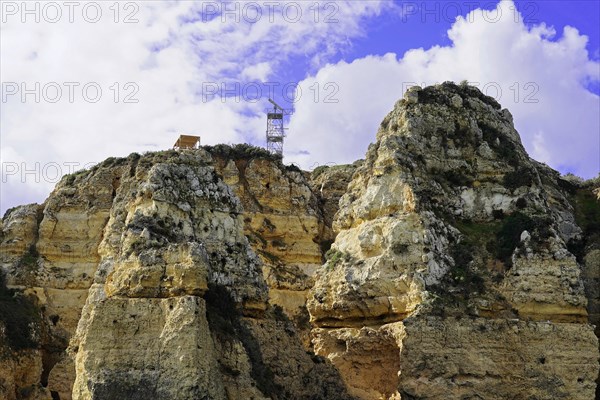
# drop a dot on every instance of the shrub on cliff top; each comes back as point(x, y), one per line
point(319, 170)
point(241, 151)
point(439, 94)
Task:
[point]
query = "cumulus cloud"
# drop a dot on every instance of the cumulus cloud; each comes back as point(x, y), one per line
point(541, 77)
point(152, 62)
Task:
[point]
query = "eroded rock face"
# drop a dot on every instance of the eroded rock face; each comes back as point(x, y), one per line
point(365, 356)
point(282, 221)
point(497, 359)
point(287, 218)
point(19, 231)
point(154, 267)
point(458, 268)
point(176, 305)
point(50, 253)
point(20, 375)
point(330, 183)
point(448, 218)
point(181, 237)
point(586, 201)
point(140, 348)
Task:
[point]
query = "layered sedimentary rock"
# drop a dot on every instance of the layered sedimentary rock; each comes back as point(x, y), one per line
point(176, 305)
point(448, 264)
point(497, 359)
point(453, 239)
point(50, 254)
point(281, 219)
point(330, 183)
point(585, 198)
point(287, 218)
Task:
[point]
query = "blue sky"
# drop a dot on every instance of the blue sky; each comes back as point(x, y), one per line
point(383, 35)
point(396, 33)
point(161, 67)
point(429, 22)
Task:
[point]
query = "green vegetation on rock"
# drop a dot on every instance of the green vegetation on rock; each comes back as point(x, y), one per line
point(21, 318)
point(587, 212)
point(319, 170)
point(30, 258)
point(334, 257)
point(587, 216)
point(501, 237)
point(241, 151)
point(518, 178)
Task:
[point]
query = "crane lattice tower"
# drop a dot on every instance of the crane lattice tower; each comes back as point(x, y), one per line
point(275, 129)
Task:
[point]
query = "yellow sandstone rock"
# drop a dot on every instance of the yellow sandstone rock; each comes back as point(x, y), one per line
point(446, 265)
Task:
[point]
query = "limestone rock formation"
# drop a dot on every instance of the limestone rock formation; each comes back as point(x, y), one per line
point(175, 302)
point(287, 218)
point(282, 220)
point(330, 183)
point(497, 359)
point(446, 265)
point(452, 237)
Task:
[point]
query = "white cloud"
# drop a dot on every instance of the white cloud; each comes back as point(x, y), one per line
point(257, 72)
point(541, 80)
point(540, 151)
point(168, 54)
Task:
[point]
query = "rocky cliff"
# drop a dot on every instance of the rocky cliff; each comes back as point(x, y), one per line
point(447, 264)
point(142, 266)
point(452, 268)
